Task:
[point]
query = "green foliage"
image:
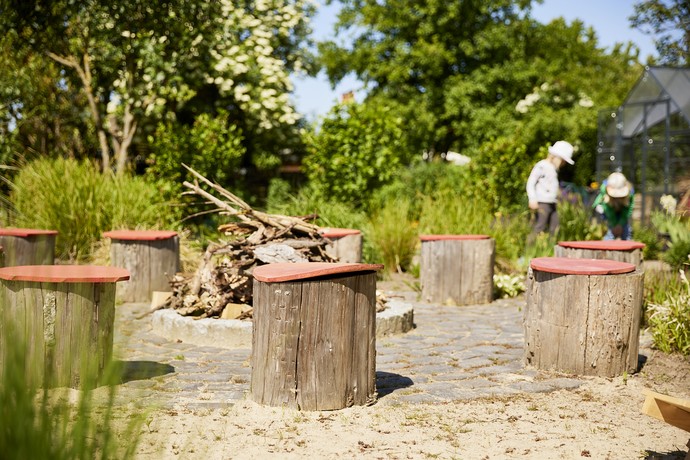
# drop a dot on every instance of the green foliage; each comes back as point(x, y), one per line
point(419, 180)
point(45, 424)
point(677, 227)
point(576, 222)
point(648, 235)
point(80, 203)
point(666, 21)
point(394, 236)
point(357, 149)
point(211, 146)
point(669, 321)
point(508, 286)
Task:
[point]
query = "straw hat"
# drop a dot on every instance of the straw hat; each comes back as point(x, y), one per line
point(617, 186)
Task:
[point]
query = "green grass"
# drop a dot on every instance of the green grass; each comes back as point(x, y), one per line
point(669, 320)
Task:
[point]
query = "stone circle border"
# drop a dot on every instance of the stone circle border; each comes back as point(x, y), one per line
point(398, 318)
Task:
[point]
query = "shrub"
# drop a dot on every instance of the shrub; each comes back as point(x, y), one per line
point(576, 222)
point(677, 228)
point(357, 150)
point(79, 202)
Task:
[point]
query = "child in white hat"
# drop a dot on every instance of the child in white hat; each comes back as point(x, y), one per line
point(543, 187)
point(615, 202)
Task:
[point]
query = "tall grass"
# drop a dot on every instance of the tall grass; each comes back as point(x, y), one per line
point(37, 423)
point(79, 202)
point(669, 320)
point(394, 236)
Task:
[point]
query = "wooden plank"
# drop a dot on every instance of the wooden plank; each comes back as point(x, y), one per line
point(674, 411)
point(105, 324)
point(35, 334)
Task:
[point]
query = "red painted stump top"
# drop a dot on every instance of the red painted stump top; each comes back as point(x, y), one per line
point(568, 266)
point(453, 237)
point(275, 273)
point(330, 232)
point(64, 273)
point(140, 235)
point(603, 245)
point(25, 232)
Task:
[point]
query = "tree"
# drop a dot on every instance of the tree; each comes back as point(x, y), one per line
point(479, 76)
point(137, 62)
point(669, 21)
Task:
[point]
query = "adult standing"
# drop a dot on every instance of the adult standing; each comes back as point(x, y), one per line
point(543, 187)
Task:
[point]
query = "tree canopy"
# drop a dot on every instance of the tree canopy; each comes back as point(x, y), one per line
point(484, 79)
point(669, 23)
point(131, 64)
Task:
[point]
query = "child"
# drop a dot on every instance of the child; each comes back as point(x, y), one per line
point(615, 202)
point(543, 188)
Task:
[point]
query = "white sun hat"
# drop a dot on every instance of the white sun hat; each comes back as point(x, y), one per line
point(617, 186)
point(564, 150)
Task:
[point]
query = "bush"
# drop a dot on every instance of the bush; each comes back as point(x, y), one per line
point(79, 202)
point(357, 150)
point(677, 228)
point(576, 221)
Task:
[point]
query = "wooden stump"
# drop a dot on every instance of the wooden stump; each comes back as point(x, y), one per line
point(314, 338)
point(152, 257)
point(62, 317)
point(621, 251)
point(346, 244)
point(583, 316)
point(26, 246)
point(457, 269)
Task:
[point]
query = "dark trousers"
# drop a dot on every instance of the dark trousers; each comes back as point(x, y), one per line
point(546, 218)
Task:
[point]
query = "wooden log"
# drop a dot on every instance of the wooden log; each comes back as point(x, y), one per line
point(151, 257)
point(457, 269)
point(62, 317)
point(314, 338)
point(345, 245)
point(583, 316)
point(26, 246)
point(621, 251)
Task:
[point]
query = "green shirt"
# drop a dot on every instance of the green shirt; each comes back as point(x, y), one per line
point(620, 217)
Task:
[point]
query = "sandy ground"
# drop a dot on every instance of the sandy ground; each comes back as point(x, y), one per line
point(601, 419)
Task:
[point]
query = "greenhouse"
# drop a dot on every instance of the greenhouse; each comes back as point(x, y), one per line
point(647, 138)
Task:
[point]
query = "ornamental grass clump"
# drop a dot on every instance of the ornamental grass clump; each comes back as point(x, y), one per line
point(669, 321)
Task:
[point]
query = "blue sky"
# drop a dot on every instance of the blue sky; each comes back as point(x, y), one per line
point(609, 18)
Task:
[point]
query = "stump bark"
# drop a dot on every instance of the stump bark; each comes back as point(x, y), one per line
point(24, 246)
point(314, 338)
point(457, 269)
point(61, 316)
point(345, 245)
point(621, 251)
point(583, 316)
point(151, 257)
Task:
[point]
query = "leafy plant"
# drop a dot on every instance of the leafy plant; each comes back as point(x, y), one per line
point(576, 222)
point(653, 244)
point(677, 227)
point(508, 286)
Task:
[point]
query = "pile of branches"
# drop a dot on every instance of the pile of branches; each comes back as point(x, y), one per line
point(223, 278)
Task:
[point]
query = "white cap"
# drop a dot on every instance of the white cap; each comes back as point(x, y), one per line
point(617, 186)
point(564, 150)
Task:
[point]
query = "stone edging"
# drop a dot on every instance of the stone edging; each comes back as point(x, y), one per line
point(398, 318)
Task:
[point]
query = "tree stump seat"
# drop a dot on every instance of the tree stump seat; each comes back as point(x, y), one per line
point(63, 315)
point(457, 269)
point(314, 337)
point(152, 257)
point(583, 316)
point(346, 244)
point(622, 251)
point(27, 246)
